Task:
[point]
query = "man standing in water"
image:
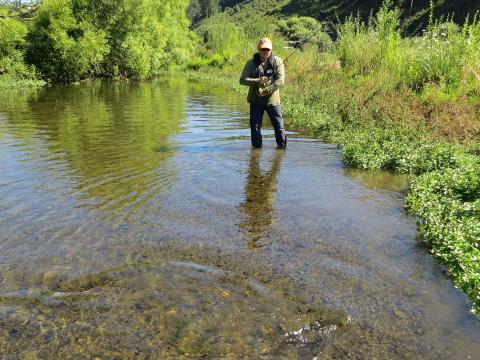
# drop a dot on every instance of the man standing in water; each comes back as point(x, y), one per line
point(265, 74)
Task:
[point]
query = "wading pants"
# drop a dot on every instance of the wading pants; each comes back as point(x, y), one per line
point(275, 115)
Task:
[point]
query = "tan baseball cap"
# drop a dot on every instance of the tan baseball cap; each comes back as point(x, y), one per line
point(265, 43)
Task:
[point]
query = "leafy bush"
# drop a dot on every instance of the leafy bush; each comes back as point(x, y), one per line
point(73, 39)
point(12, 49)
point(63, 47)
point(148, 37)
point(221, 36)
point(398, 150)
point(198, 62)
point(9, 81)
point(448, 204)
point(304, 30)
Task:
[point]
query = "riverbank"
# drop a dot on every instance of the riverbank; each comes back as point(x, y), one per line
point(390, 129)
point(8, 82)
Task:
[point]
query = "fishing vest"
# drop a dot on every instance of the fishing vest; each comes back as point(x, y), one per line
point(259, 69)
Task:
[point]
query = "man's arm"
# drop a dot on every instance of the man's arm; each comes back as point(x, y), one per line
point(245, 79)
point(279, 79)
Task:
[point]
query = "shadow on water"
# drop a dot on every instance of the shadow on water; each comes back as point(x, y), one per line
point(260, 196)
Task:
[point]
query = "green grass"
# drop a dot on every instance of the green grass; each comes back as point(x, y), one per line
point(446, 56)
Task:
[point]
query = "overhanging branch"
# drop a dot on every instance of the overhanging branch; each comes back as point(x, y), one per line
point(18, 9)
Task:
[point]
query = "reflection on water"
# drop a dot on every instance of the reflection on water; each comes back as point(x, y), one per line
point(130, 219)
point(107, 135)
point(378, 180)
point(260, 195)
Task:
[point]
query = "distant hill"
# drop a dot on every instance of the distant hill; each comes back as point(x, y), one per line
point(339, 9)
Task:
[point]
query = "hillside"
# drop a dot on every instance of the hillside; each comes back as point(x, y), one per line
point(340, 9)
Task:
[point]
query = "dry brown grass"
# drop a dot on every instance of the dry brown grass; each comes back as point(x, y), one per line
point(445, 119)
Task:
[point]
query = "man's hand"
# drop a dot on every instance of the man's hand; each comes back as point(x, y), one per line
point(260, 93)
point(263, 80)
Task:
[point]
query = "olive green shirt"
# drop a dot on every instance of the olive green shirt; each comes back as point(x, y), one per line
point(271, 89)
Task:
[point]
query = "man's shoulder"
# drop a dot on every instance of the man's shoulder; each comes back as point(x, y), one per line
point(278, 61)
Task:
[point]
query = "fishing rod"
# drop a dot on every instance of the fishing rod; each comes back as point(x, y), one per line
point(409, 15)
point(314, 31)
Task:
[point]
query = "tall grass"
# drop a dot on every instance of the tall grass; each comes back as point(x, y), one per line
point(228, 43)
point(444, 57)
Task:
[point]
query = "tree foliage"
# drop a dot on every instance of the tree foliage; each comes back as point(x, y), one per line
point(17, 9)
point(12, 44)
point(13, 33)
point(201, 9)
point(63, 46)
point(145, 36)
point(67, 40)
point(303, 30)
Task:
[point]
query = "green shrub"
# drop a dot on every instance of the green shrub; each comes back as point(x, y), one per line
point(198, 62)
point(63, 47)
point(303, 30)
point(447, 202)
point(215, 60)
point(73, 39)
point(148, 37)
point(12, 49)
point(221, 36)
point(398, 150)
point(8, 82)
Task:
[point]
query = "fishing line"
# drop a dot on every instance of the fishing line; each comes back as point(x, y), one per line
point(409, 15)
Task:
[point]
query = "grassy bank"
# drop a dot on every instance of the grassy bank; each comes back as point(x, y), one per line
point(403, 105)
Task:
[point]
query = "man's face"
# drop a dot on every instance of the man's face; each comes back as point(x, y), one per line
point(264, 52)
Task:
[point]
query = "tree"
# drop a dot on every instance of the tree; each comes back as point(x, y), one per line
point(202, 9)
point(13, 33)
point(12, 46)
point(73, 39)
point(62, 46)
point(18, 9)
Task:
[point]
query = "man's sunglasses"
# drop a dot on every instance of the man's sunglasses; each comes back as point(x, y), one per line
point(265, 49)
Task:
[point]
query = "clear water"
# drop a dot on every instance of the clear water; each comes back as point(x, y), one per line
point(137, 222)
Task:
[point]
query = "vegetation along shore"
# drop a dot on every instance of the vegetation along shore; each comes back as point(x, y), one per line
point(396, 84)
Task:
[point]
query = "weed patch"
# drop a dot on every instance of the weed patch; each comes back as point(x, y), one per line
point(12, 82)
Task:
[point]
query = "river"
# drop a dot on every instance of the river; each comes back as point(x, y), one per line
point(137, 222)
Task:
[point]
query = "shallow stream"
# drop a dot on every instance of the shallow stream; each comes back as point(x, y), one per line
point(137, 222)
